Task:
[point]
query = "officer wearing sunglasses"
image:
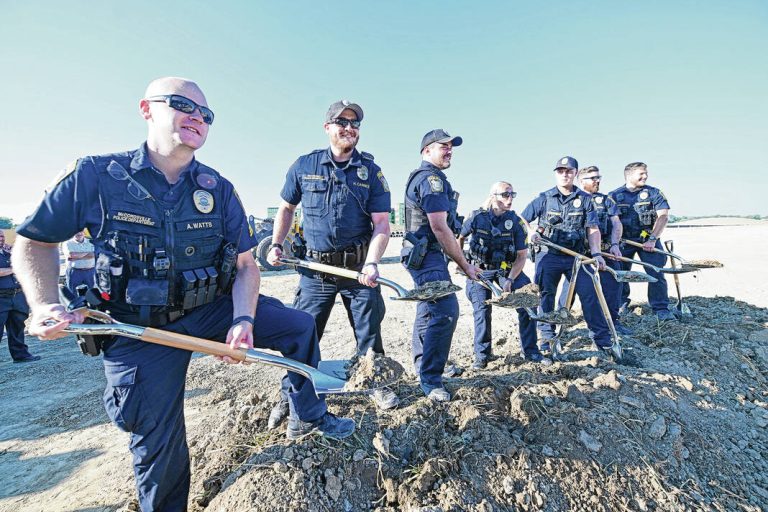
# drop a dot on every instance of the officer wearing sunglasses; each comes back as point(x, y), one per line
point(497, 244)
point(172, 251)
point(567, 217)
point(345, 203)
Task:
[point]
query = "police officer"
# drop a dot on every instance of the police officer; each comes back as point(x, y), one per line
point(345, 203)
point(81, 263)
point(431, 225)
point(644, 212)
point(13, 308)
point(497, 242)
point(610, 235)
point(172, 251)
point(567, 217)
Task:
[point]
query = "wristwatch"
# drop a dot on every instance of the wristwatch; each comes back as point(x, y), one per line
point(652, 238)
point(278, 246)
point(374, 264)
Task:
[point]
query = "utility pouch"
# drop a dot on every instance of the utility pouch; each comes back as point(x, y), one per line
point(228, 268)
point(188, 289)
point(299, 247)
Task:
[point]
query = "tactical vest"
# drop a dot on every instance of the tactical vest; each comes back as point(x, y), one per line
point(565, 224)
point(599, 201)
point(638, 217)
point(154, 258)
point(416, 217)
point(490, 246)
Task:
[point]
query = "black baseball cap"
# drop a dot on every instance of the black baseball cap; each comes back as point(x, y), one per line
point(335, 110)
point(439, 135)
point(567, 162)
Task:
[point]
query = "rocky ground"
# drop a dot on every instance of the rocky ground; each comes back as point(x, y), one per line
point(681, 425)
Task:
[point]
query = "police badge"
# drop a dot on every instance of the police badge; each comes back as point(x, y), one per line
point(362, 173)
point(577, 202)
point(203, 201)
point(643, 194)
point(508, 224)
point(599, 199)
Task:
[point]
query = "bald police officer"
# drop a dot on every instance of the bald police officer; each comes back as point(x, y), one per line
point(172, 251)
point(644, 212)
point(432, 224)
point(345, 202)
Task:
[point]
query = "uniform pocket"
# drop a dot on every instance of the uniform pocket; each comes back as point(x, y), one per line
point(313, 199)
point(124, 401)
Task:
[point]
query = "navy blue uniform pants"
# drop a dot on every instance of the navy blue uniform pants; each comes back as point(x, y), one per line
point(434, 325)
point(13, 312)
point(78, 276)
point(549, 269)
point(658, 297)
point(482, 312)
point(145, 391)
point(611, 290)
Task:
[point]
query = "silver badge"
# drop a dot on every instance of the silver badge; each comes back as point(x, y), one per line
point(599, 199)
point(345, 103)
point(643, 195)
point(203, 201)
point(576, 202)
point(362, 173)
point(508, 224)
point(564, 161)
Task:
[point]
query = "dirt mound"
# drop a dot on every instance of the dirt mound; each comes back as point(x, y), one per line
point(684, 428)
point(372, 371)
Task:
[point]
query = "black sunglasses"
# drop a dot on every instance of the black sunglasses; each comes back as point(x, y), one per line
point(346, 122)
point(185, 105)
point(593, 178)
point(506, 195)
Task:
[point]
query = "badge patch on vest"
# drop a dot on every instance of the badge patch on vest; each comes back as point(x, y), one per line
point(435, 183)
point(643, 195)
point(599, 199)
point(383, 181)
point(362, 173)
point(508, 224)
point(203, 201)
point(576, 202)
point(134, 218)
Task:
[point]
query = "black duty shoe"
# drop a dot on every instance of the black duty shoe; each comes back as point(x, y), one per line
point(480, 364)
point(328, 425)
point(278, 413)
point(28, 359)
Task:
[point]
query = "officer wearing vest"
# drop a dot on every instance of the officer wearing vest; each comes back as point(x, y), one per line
point(497, 242)
point(566, 216)
point(644, 212)
point(345, 202)
point(13, 308)
point(610, 235)
point(172, 251)
point(431, 225)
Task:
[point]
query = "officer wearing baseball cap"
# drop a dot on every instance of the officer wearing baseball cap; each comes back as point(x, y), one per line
point(345, 202)
point(566, 216)
point(432, 224)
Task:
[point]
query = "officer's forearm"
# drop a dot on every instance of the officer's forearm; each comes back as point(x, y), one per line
point(36, 265)
point(379, 240)
point(450, 246)
point(518, 265)
point(245, 289)
point(283, 222)
point(660, 224)
point(593, 236)
point(617, 230)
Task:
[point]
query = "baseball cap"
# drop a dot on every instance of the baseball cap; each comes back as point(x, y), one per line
point(340, 106)
point(439, 135)
point(567, 162)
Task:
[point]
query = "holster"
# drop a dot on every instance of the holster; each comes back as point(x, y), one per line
point(414, 251)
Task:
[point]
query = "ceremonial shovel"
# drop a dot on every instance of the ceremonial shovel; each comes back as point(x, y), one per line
point(683, 261)
point(681, 306)
point(402, 294)
point(682, 269)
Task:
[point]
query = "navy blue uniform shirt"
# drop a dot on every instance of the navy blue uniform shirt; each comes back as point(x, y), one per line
point(628, 203)
point(519, 234)
point(72, 203)
point(7, 282)
point(432, 191)
point(336, 203)
point(551, 202)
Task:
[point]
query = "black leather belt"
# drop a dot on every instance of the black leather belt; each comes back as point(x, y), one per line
point(9, 292)
point(348, 257)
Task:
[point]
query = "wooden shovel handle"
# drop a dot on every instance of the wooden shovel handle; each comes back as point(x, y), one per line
point(182, 341)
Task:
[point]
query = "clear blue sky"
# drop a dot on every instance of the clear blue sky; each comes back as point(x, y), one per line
point(680, 85)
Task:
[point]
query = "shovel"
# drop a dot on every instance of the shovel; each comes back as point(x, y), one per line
point(681, 306)
point(323, 383)
point(622, 276)
point(682, 269)
point(418, 294)
point(683, 261)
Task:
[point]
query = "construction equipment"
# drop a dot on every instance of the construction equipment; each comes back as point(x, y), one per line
point(262, 230)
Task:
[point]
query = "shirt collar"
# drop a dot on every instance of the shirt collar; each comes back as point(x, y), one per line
point(555, 192)
point(354, 161)
point(429, 166)
point(141, 161)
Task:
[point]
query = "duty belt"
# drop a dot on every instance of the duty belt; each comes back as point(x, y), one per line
point(348, 257)
point(9, 292)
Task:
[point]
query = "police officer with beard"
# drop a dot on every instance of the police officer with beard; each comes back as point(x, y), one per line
point(497, 242)
point(431, 225)
point(172, 251)
point(345, 203)
point(644, 212)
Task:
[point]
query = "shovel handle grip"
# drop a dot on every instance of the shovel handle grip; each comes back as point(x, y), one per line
point(182, 341)
point(321, 267)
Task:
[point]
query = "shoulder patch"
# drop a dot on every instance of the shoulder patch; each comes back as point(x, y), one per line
point(435, 183)
point(69, 169)
point(383, 181)
point(366, 155)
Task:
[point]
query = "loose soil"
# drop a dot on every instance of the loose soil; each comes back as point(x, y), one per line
point(372, 371)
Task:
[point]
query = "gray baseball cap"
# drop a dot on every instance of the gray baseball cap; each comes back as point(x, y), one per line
point(340, 106)
point(439, 135)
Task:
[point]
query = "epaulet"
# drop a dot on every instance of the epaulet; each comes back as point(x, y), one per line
point(321, 150)
point(368, 156)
